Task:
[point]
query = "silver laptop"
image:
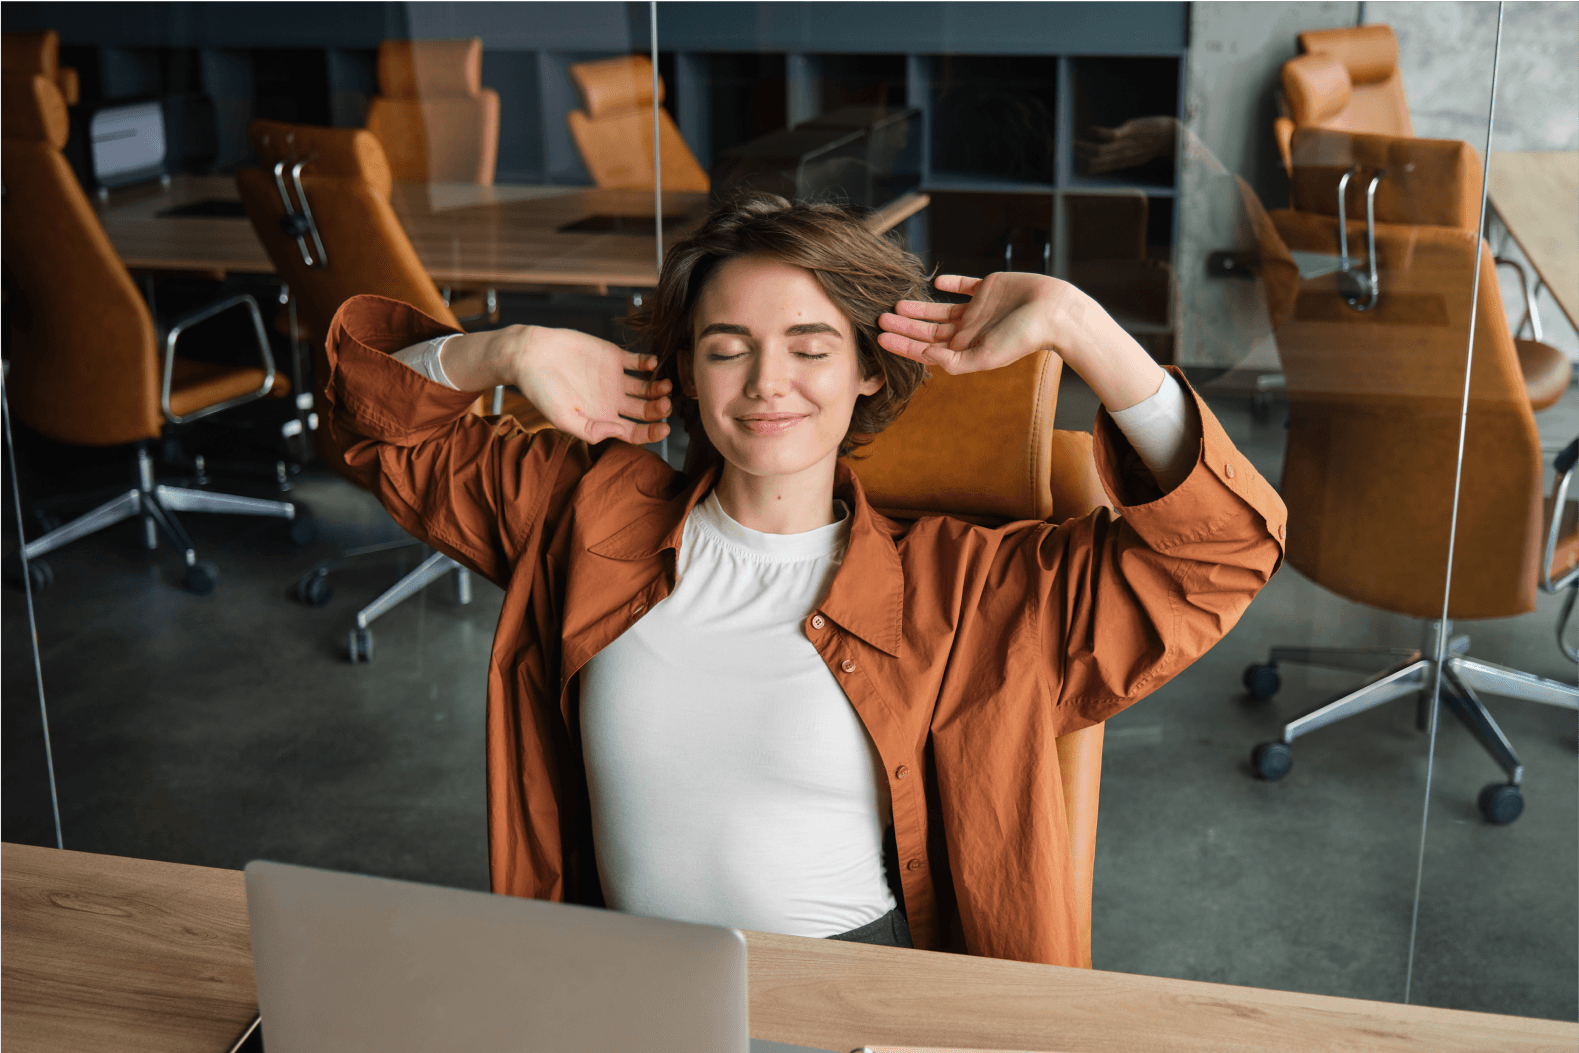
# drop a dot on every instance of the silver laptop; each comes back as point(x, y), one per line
point(350, 963)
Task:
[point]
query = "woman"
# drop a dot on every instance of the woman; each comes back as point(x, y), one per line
point(713, 694)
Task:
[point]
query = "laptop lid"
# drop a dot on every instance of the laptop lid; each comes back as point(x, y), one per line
point(347, 963)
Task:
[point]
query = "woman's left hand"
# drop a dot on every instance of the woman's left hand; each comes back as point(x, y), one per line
point(1010, 315)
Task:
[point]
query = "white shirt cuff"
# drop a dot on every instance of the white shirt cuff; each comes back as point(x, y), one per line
point(424, 358)
point(1164, 432)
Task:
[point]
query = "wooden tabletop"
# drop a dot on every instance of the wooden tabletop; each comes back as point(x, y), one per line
point(1537, 196)
point(501, 236)
point(106, 953)
point(505, 236)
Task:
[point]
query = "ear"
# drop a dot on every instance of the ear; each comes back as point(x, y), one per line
point(872, 383)
point(687, 377)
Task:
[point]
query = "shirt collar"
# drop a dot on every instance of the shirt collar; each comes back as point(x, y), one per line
point(867, 596)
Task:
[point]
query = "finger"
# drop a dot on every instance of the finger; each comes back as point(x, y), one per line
point(957, 283)
point(928, 310)
point(644, 409)
point(905, 347)
point(642, 434)
point(926, 332)
point(640, 363)
point(646, 389)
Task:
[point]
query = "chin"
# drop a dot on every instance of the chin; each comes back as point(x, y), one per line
point(767, 456)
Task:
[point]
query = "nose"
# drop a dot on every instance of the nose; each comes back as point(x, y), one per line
point(769, 376)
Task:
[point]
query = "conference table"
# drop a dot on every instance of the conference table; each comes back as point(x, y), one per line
point(507, 237)
point(1537, 196)
point(110, 953)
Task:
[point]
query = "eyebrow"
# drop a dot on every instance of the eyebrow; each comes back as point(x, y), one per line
point(803, 329)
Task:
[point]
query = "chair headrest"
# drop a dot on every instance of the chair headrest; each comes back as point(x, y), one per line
point(976, 445)
point(615, 85)
point(429, 69)
point(1369, 53)
point(32, 110)
point(30, 52)
point(347, 153)
point(1426, 182)
point(1317, 88)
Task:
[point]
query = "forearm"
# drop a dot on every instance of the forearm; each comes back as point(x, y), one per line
point(469, 361)
point(1107, 358)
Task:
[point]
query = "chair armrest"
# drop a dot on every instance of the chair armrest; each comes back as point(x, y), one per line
point(1564, 464)
point(1428, 182)
point(265, 356)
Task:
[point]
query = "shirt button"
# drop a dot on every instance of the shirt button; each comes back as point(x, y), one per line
point(1228, 470)
point(914, 864)
point(818, 621)
point(638, 608)
point(1282, 533)
point(847, 665)
point(901, 771)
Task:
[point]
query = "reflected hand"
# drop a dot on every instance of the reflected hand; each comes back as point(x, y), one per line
point(579, 383)
point(1131, 144)
point(1010, 315)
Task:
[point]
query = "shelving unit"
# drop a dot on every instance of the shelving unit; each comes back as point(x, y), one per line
point(1004, 89)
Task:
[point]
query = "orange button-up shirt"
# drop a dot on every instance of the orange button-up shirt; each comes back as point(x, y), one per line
point(965, 650)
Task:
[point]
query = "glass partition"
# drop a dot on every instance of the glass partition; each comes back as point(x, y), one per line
point(1499, 883)
point(1289, 224)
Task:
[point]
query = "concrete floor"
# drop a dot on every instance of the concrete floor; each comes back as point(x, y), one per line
point(220, 729)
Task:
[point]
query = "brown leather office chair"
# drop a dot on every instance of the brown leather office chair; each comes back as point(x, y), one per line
point(322, 211)
point(38, 52)
point(1347, 80)
point(89, 366)
point(438, 124)
point(614, 132)
point(1016, 466)
point(1375, 378)
point(435, 120)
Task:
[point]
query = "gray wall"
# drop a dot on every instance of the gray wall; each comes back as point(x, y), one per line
point(1445, 51)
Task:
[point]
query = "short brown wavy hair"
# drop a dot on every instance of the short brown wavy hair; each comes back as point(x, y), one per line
point(862, 272)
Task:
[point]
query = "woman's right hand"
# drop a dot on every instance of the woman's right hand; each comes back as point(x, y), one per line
point(575, 380)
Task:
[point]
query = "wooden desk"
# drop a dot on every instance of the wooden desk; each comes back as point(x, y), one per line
point(505, 237)
point(1537, 196)
point(103, 953)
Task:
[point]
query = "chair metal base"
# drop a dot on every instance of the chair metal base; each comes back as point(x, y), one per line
point(1411, 672)
point(313, 589)
point(157, 504)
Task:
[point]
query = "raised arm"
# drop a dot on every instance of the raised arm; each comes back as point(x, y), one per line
point(1119, 604)
point(475, 488)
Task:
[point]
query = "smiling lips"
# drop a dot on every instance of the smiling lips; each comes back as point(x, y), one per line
point(770, 423)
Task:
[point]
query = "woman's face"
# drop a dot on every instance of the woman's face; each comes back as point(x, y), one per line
point(774, 368)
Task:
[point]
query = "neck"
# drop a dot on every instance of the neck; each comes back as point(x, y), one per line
point(779, 504)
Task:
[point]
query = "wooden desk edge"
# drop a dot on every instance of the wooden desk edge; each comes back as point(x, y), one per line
point(836, 995)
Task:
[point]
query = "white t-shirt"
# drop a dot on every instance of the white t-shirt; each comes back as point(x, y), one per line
point(731, 780)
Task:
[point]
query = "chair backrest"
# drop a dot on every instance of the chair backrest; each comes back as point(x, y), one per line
point(38, 52)
point(614, 132)
point(982, 446)
point(85, 358)
point(1374, 399)
point(436, 121)
point(347, 183)
point(1346, 79)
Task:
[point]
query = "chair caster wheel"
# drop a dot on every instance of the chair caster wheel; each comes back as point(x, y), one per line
point(1501, 803)
point(1261, 680)
point(200, 578)
point(315, 589)
point(1271, 760)
point(39, 576)
point(359, 647)
point(303, 528)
